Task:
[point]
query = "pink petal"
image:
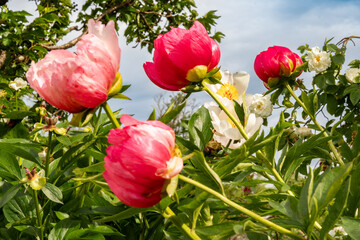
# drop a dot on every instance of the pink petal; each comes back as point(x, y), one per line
point(107, 35)
point(128, 196)
point(150, 70)
point(215, 54)
point(191, 49)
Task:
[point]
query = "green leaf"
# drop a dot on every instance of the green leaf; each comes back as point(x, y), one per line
point(21, 148)
point(336, 209)
point(355, 97)
point(190, 204)
point(19, 114)
point(354, 196)
point(52, 192)
point(307, 102)
point(320, 81)
point(351, 226)
point(10, 164)
point(200, 128)
point(171, 112)
point(332, 47)
point(62, 228)
point(19, 208)
point(152, 115)
point(121, 96)
point(10, 194)
point(240, 112)
point(338, 59)
point(305, 198)
point(289, 207)
point(95, 233)
point(206, 172)
point(64, 140)
point(327, 186)
point(301, 149)
point(97, 167)
point(219, 231)
point(128, 213)
point(332, 104)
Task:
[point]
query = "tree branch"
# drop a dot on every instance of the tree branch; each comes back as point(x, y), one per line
point(75, 40)
point(345, 41)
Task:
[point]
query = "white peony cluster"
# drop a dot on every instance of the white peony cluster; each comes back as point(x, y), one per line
point(351, 74)
point(318, 61)
point(233, 88)
point(337, 232)
point(18, 83)
point(260, 105)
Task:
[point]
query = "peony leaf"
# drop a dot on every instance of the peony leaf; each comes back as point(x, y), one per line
point(351, 226)
point(52, 192)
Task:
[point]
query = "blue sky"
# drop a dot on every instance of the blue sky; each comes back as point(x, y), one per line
point(249, 27)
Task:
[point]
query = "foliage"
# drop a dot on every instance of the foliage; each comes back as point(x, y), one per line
point(277, 185)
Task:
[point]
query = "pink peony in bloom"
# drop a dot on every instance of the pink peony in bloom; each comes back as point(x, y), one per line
point(274, 63)
point(74, 82)
point(179, 51)
point(140, 160)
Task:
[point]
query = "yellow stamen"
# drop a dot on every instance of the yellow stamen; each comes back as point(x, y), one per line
point(229, 91)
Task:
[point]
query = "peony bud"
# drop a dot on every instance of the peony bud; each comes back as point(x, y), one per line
point(140, 161)
point(274, 63)
point(181, 57)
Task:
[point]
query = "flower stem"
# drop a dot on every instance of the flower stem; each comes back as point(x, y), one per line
point(244, 134)
point(330, 143)
point(240, 208)
point(36, 202)
point(111, 115)
point(190, 233)
point(48, 152)
point(222, 106)
point(16, 100)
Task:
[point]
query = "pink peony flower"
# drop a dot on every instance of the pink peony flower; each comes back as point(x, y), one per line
point(179, 51)
point(140, 161)
point(274, 63)
point(74, 82)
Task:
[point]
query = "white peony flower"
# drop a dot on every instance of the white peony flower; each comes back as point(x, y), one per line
point(337, 232)
point(260, 105)
point(233, 88)
point(351, 74)
point(18, 83)
point(318, 60)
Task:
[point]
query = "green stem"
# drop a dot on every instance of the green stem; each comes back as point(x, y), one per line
point(111, 115)
point(244, 134)
point(16, 100)
point(96, 125)
point(36, 201)
point(180, 225)
point(48, 153)
point(330, 143)
point(240, 208)
point(228, 113)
